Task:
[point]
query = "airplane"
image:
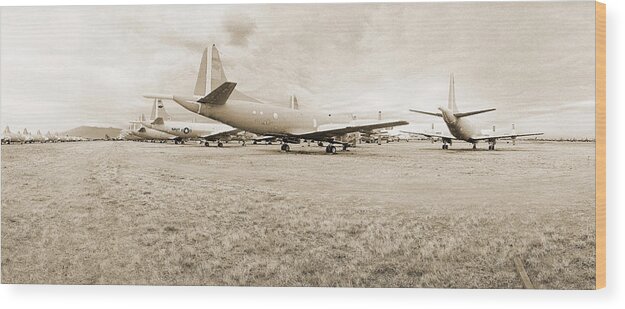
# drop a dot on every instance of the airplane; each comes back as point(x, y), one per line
point(28, 138)
point(9, 137)
point(149, 134)
point(39, 137)
point(52, 137)
point(226, 105)
point(461, 128)
point(206, 132)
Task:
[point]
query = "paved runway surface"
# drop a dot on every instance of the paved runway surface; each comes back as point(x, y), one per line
point(395, 215)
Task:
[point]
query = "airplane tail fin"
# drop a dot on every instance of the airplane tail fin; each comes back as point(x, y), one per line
point(26, 132)
point(220, 95)
point(294, 104)
point(160, 111)
point(451, 104)
point(200, 84)
point(38, 132)
point(7, 130)
point(218, 76)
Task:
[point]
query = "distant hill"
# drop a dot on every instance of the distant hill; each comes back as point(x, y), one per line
point(94, 132)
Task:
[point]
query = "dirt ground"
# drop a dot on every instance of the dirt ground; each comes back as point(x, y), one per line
point(395, 215)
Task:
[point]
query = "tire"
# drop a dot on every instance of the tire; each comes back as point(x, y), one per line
point(332, 150)
point(220, 144)
point(206, 144)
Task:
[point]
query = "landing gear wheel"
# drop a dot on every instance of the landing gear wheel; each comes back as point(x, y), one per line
point(285, 147)
point(474, 146)
point(255, 142)
point(320, 144)
point(181, 142)
point(331, 149)
point(445, 146)
point(206, 144)
point(344, 147)
point(220, 144)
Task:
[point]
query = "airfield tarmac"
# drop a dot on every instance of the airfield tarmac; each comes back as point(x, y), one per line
point(396, 215)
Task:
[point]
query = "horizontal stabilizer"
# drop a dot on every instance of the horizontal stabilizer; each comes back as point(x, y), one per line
point(458, 115)
point(427, 113)
point(159, 96)
point(504, 136)
point(430, 135)
point(220, 95)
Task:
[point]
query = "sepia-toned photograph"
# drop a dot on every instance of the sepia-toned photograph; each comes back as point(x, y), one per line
point(368, 145)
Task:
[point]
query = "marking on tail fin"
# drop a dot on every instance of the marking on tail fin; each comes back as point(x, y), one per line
point(200, 84)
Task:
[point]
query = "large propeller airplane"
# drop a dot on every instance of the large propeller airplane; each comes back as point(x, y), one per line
point(461, 128)
point(269, 120)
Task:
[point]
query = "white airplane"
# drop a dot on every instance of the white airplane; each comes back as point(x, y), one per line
point(28, 138)
point(9, 137)
point(226, 105)
point(39, 137)
point(149, 134)
point(461, 128)
point(206, 132)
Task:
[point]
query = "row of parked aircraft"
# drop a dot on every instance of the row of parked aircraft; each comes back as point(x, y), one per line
point(291, 125)
point(26, 137)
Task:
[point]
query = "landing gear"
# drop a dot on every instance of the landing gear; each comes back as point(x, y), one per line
point(206, 144)
point(445, 146)
point(255, 142)
point(320, 144)
point(220, 144)
point(474, 146)
point(243, 144)
point(491, 145)
point(345, 147)
point(331, 149)
point(285, 147)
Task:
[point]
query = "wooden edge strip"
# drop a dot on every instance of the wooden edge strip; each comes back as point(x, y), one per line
point(527, 283)
point(600, 136)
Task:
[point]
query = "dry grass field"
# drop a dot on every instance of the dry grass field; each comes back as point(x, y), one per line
point(395, 215)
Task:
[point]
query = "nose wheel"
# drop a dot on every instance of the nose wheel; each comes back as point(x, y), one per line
point(331, 149)
point(285, 147)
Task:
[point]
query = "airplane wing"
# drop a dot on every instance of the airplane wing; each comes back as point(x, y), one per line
point(503, 136)
point(328, 131)
point(430, 134)
point(220, 135)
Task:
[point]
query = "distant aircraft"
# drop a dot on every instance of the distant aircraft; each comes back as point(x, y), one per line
point(206, 132)
point(461, 128)
point(149, 134)
point(28, 138)
point(226, 105)
point(9, 137)
point(52, 137)
point(39, 137)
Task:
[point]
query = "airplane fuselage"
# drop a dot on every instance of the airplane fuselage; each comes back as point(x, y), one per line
point(460, 128)
point(262, 118)
point(189, 129)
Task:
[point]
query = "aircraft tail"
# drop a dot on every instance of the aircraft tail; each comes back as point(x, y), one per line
point(7, 130)
point(218, 76)
point(26, 132)
point(200, 84)
point(294, 104)
point(451, 104)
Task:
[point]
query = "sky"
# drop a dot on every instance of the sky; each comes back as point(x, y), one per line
point(67, 66)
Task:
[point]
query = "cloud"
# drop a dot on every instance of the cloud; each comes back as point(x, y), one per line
point(239, 28)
